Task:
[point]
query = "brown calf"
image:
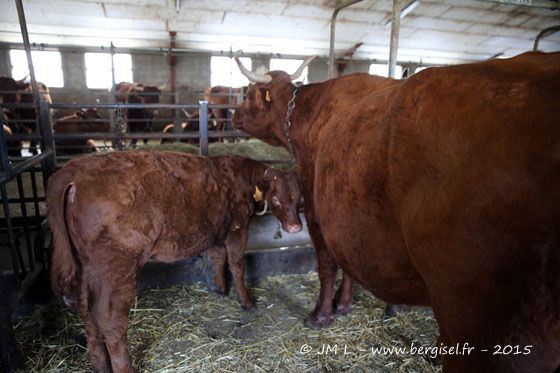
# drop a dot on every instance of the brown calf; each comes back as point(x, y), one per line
point(112, 213)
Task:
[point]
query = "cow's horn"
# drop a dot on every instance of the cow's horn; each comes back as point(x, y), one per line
point(164, 86)
point(254, 77)
point(187, 114)
point(298, 72)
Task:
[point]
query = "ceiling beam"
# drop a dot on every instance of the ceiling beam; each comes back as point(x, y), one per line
point(548, 4)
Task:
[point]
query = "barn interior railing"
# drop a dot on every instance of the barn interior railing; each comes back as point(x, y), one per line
point(24, 235)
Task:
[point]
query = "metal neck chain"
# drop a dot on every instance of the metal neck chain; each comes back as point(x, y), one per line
point(288, 124)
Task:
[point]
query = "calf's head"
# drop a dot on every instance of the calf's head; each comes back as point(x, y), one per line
point(282, 194)
point(263, 111)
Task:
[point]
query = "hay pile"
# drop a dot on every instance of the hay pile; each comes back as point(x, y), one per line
point(252, 148)
point(188, 329)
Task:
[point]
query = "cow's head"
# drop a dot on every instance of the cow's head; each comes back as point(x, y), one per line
point(88, 113)
point(264, 108)
point(282, 194)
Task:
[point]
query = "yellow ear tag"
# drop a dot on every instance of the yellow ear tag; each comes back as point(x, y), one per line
point(267, 96)
point(257, 196)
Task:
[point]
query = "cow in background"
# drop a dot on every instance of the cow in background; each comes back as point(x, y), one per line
point(11, 127)
point(23, 120)
point(82, 121)
point(138, 119)
point(112, 213)
point(222, 95)
point(191, 125)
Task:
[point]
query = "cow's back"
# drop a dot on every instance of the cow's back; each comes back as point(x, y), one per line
point(449, 181)
point(147, 203)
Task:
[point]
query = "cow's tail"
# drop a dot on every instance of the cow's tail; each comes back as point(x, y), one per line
point(64, 269)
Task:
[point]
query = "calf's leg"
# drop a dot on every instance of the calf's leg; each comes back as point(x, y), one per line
point(218, 254)
point(98, 354)
point(235, 245)
point(114, 291)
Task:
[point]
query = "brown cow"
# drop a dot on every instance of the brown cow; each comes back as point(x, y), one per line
point(112, 213)
point(442, 190)
point(138, 119)
point(84, 120)
point(192, 125)
point(24, 118)
point(14, 147)
point(221, 95)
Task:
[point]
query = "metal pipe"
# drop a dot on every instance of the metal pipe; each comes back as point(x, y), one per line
point(394, 44)
point(173, 79)
point(5, 165)
point(25, 165)
point(544, 33)
point(203, 127)
point(333, 28)
point(8, 220)
point(548, 4)
point(23, 207)
point(148, 135)
point(45, 124)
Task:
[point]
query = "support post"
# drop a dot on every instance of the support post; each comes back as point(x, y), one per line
point(333, 29)
point(203, 127)
point(42, 107)
point(173, 81)
point(394, 46)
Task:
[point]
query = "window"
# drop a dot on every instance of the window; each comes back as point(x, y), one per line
point(290, 66)
point(47, 66)
point(224, 71)
point(98, 69)
point(383, 70)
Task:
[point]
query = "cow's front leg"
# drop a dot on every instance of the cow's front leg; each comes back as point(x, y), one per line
point(218, 255)
point(235, 245)
point(327, 266)
point(343, 296)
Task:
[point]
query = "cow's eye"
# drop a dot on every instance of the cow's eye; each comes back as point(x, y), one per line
point(275, 201)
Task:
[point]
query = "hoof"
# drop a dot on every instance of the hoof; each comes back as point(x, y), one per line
point(317, 322)
point(220, 291)
point(390, 311)
point(249, 307)
point(343, 309)
point(81, 340)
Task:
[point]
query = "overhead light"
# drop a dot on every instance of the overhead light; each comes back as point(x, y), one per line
point(405, 11)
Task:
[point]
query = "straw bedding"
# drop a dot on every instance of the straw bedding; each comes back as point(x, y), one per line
point(188, 329)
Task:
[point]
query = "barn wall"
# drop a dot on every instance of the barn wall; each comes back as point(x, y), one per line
point(318, 71)
point(150, 69)
point(260, 64)
point(193, 75)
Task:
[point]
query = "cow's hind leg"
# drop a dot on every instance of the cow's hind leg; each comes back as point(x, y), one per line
point(235, 245)
point(98, 354)
point(343, 296)
point(218, 254)
point(116, 286)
